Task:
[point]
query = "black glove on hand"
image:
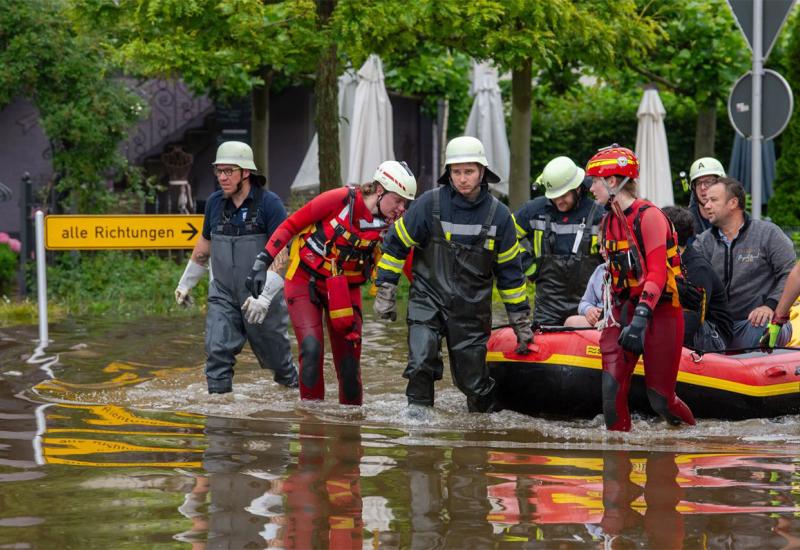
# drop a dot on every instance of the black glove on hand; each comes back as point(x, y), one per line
point(632, 336)
point(691, 296)
point(262, 263)
point(520, 321)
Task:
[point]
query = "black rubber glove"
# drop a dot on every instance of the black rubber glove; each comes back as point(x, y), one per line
point(253, 283)
point(632, 336)
point(691, 296)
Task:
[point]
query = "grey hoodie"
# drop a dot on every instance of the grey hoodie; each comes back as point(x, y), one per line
point(755, 266)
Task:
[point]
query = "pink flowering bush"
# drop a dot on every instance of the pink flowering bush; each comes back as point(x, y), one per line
point(9, 262)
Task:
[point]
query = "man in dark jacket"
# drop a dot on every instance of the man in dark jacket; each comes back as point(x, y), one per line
point(465, 241)
point(753, 258)
point(712, 328)
point(562, 228)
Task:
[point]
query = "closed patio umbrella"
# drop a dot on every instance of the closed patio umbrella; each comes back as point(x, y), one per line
point(739, 168)
point(487, 122)
point(655, 176)
point(371, 134)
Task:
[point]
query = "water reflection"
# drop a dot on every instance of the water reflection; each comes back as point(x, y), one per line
point(120, 427)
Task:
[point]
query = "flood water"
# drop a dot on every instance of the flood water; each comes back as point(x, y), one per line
point(108, 439)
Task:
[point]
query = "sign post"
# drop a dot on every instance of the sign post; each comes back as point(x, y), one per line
point(760, 22)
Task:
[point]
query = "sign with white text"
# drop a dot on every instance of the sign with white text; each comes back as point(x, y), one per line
point(104, 232)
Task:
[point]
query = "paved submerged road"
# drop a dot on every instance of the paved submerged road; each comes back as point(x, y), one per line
point(108, 439)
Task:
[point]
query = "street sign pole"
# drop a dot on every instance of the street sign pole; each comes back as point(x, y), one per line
point(755, 142)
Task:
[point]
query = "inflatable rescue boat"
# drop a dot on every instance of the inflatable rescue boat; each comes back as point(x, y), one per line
point(562, 376)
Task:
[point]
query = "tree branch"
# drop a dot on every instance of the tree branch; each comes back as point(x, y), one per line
point(660, 79)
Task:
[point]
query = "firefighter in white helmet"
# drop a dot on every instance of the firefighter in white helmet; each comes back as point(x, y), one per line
point(465, 241)
point(703, 173)
point(562, 229)
point(238, 220)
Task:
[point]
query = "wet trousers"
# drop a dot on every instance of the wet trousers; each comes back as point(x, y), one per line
point(227, 331)
point(308, 305)
point(466, 344)
point(662, 354)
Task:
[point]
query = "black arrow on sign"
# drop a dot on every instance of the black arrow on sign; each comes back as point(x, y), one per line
point(193, 231)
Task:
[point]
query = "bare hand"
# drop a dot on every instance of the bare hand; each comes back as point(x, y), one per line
point(593, 315)
point(760, 316)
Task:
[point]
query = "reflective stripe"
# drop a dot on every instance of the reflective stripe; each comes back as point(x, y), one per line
point(489, 244)
point(509, 254)
point(562, 228)
point(338, 313)
point(376, 223)
point(512, 295)
point(466, 229)
point(402, 232)
point(391, 263)
point(520, 232)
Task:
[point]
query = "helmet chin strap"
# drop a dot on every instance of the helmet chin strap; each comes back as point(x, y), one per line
point(612, 192)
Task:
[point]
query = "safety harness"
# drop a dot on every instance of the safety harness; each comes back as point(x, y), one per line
point(626, 269)
point(250, 225)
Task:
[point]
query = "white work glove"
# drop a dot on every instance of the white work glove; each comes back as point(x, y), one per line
point(191, 276)
point(255, 309)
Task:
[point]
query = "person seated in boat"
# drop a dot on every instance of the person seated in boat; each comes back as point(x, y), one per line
point(562, 229)
point(780, 318)
point(711, 328)
point(590, 308)
point(645, 317)
point(751, 257)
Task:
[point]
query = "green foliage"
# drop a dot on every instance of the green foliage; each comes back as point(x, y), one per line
point(701, 51)
point(225, 47)
point(577, 124)
point(84, 111)
point(118, 283)
point(9, 262)
point(784, 206)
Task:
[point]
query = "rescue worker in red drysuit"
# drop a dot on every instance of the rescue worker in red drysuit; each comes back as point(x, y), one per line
point(337, 234)
point(646, 318)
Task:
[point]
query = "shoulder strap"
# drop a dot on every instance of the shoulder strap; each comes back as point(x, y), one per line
point(489, 219)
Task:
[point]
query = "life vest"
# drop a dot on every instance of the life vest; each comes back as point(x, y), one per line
point(346, 238)
point(627, 273)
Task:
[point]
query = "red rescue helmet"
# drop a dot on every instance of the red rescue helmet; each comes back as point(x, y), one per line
point(613, 161)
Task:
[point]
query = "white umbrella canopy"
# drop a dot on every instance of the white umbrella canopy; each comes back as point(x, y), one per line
point(487, 122)
point(308, 175)
point(371, 138)
point(655, 176)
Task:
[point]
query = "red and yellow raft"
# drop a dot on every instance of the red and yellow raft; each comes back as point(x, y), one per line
point(562, 376)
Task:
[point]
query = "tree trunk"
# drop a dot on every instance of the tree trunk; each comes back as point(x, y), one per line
point(326, 90)
point(520, 178)
point(259, 124)
point(705, 131)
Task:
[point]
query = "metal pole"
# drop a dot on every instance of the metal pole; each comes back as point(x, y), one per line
point(25, 201)
point(755, 140)
point(41, 279)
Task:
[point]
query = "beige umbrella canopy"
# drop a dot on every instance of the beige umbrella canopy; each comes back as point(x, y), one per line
point(655, 176)
point(487, 122)
point(371, 135)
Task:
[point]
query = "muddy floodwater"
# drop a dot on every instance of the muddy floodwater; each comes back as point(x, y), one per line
point(108, 439)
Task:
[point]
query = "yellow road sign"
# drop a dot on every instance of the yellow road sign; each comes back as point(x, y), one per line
point(66, 232)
